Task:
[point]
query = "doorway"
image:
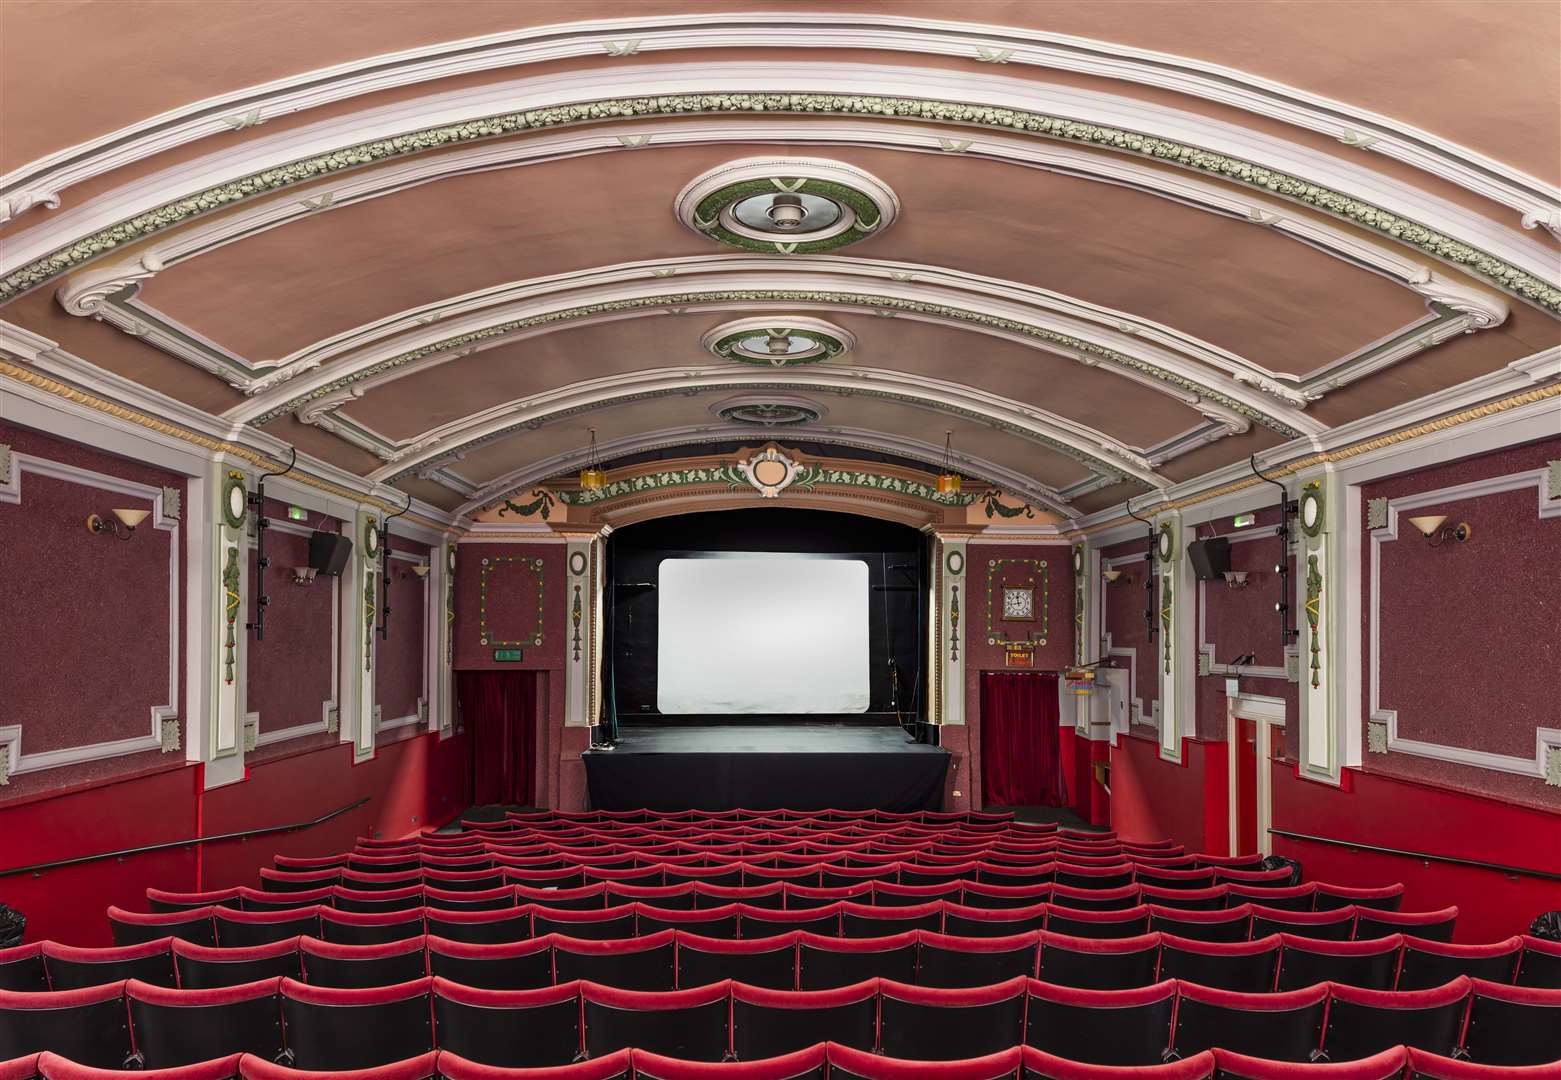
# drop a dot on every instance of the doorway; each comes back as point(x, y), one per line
point(1251, 723)
point(499, 710)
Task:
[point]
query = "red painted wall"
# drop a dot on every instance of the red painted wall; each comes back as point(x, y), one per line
point(984, 620)
point(97, 600)
point(1153, 799)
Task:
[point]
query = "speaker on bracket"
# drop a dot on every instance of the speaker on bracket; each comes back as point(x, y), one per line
point(329, 552)
point(1210, 558)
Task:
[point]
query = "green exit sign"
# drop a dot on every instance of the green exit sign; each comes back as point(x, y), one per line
point(511, 656)
point(1241, 521)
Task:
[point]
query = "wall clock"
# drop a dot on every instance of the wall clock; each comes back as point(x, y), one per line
point(1165, 544)
point(1018, 603)
point(1311, 509)
point(235, 500)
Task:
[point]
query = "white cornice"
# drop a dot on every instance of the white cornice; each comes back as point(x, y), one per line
point(42, 181)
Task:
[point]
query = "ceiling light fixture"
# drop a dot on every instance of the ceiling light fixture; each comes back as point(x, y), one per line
point(123, 525)
point(948, 479)
point(592, 478)
point(786, 212)
point(778, 344)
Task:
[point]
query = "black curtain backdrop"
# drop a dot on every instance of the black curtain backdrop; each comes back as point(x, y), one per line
point(499, 709)
point(1021, 758)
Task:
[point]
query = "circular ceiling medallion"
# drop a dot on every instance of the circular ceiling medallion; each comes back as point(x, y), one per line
point(787, 205)
point(769, 411)
point(779, 341)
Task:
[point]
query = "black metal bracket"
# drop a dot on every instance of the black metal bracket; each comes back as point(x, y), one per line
point(1149, 625)
point(1287, 510)
point(257, 499)
point(384, 553)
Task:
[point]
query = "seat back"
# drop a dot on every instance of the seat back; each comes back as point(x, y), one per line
point(966, 962)
point(768, 1023)
point(1513, 1025)
point(1426, 964)
point(761, 922)
point(946, 1024)
point(1368, 964)
point(826, 963)
point(1101, 1027)
point(73, 969)
point(1078, 922)
point(1248, 967)
point(133, 928)
point(358, 928)
point(1385, 898)
point(1280, 1026)
point(241, 929)
point(1324, 925)
point(21, 968)
point(720, 922)
point(1232, 924)
point(1366, 1022)
point(642, 963)
point(1432, 925)
point(768, 962)
point(1099, 964)
point(514, 965)
point(480, 927)
point(88, 1025)
point(182, 1027)
point(332, 1028)
point(202, 968)
point(326, 963)
point(591, 925)
point(964, 921)
point(1541, 964)
point(867, 921)
point(689, 1024)
point(509, 1028)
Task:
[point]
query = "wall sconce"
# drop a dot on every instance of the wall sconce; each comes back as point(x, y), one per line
point(1431, 528)
point(1236, 579)
point(420, 571)
point(1111, 576)
point(124, 523)
point(304, 575)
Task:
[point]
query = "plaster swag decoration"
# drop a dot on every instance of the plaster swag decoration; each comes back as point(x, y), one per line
point(231, 600)
point(369, 610)
point(1314, 592)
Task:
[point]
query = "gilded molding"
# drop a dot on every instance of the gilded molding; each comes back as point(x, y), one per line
point(806, 477)
point(1366, 215)
point(489, 563)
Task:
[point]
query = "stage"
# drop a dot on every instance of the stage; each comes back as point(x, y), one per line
point(798, 766)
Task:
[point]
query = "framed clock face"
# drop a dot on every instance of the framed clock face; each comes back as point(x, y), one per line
point(1018, 603)
point(371, 539)
point(235, 500)
point(1311, 511)
point(1165, 544)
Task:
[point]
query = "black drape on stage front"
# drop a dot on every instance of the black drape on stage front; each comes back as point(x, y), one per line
point(499, 709)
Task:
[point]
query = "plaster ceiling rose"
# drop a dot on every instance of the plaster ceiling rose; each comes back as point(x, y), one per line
point(769, 410)
point(787, 206)
point(779, 341)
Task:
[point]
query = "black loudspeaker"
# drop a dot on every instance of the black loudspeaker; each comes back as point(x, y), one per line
point(1210, 558)
point(329, 552)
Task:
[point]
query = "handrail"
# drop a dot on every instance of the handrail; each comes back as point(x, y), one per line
point(1452, 860)
point(38, 868)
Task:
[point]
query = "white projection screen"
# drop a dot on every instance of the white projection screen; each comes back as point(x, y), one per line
point(762, 634)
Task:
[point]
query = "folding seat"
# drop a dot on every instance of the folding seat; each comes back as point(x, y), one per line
point(834, 877)
point(867, 921)
point(650, 875)
point(1386, 898)
point(565, 878)
point(729, 874)
point(1096, 899)
point(351, 966)
point(1114, 876)
point(1428, 1066)
point(584, 898)
point(1007, 874)
point(925, 873)
point(486, 900)
point(846, 1063)
point(643, 963)
point(772, 895)
point(767, 1023)
point(241, 929)
point(950, 1024)
point(258, 900)
point(1388, 1065)
point(1174, 879)
point(754, 874)
point(986, 895)
point(480, 927)
point(428, 1066)
point(333, 1028)
point(1434, 925)
point(376, 901)
point(668, 897)
point(1234, 862)
point(1101, 1027)
point(401, 863)
point(182, 1027)
point(1366, 1022)
point(1286, 898)
point(478, 860)
point(132, 928)
point(1210, 899)
point(355, 928)
point(691, 1024)
point(1099, 963)
point(88, 1025)
point(70, 968)
point(1075, 922)
point(762, 922)
point(1278, 878)
point(304, 881)
point(597, 925)
point(1372, 965)
point(1229, 925)
point(1541, 964)
point(963, 921)
point(512, 965)
point(1281, 1026)
point(886, 894)
point(1513, 1025)
point(1426, 964)
point(826, 963)
point(482, 880)
point(1158, 863)
point(807, 896)
point(22, 968)
point(953, 962)
point(718, 922)
point(1090, 858)
point(203, 968)
point(770, 962)
point(509, 1028)
point(1324, 925)
point(1248, 967)
point(49, 1066)
point(158, 900)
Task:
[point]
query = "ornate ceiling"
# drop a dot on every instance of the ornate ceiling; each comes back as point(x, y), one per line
point(1109, 248)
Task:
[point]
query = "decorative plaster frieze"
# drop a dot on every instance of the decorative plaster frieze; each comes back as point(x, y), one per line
point(173, 503)
point(1553, 766)
point(5, 465)
point(1377, 513)
point(851, 203)
point(170, 736)
point(1553, 479)
point(5, 765)
point(837, 100)
point(1377, 736)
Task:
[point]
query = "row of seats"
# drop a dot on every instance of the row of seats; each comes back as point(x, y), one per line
point(825, 1061)
point(978, 818)
point(326, 1028)
point(676, 959)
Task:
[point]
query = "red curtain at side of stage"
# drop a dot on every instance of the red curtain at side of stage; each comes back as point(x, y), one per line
point(1021, 763)
point(498, 709)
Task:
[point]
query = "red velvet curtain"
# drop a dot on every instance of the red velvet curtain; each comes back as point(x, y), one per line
point(1021, 762)
point(498, 709)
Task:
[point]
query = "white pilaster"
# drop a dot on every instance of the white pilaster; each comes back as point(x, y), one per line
point(223, 599)
point(953, 610)
point(360, 599)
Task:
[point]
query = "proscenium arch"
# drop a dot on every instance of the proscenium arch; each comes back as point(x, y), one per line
point(1511, 263)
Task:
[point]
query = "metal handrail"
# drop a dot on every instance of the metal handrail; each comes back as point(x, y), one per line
point(39, 868)
point(1452, 860)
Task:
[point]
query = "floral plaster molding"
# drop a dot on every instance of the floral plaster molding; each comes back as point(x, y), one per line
point(41, 182)
point(65, 242)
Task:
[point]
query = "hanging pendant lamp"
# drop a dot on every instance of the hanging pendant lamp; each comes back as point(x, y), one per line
point(948, 479)
point(592, 478)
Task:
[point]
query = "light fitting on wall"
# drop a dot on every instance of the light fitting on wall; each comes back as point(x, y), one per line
point(1431, 527)
point(419, 571)
point(304, 575)
point(122, 526)
point(592, 478)
point(1111, 576)
point(1236, 579)
point(948, 479)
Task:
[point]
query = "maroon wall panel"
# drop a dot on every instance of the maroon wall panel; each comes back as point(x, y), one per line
point(1125, 603)
point(290, 669)
point(399, 662)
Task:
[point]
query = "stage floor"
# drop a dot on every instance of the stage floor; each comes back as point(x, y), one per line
point(764, 767)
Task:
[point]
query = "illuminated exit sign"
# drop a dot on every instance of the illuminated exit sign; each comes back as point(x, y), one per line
point(1243, 520)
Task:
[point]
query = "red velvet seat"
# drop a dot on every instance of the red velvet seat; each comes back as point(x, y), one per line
point(801, 897)
point(1039, 1065)
point(768, 1023)
point(326, 963)
point(581, 898)
point(333, 1028)
point(376, 901)
point(808, 1064)
point(133, 928)
point(1385, 898)
point(22, 968)
point(1114, 876)
point(947, 1024)
point(926, 873)
point(302, 881)
point(1002, 873)
point(719, 922)
point(1281, 1026)
point(770, 895)
point(496, 899)
point(159, 900)
point(1324, 925)
point(598, 925)
point(1101, 1027)
point(1174, 879)
point(1299, 898)
point(478, 880)
point(1541, 964)
point(1362, 1023)
point(693, 1024)
point(1387, 1065)
point(242, 929)
point(508, 1028)
point(1369, 964)
point(985, 895)
point(1075, 922)
point(762, 922)
point(1426, 964)
point(1434, 925)
point(480, 927)
point(965, 921)
point(565, 878)
point(868, 921)
point(56, 1067)
point(1261, 880)
point(356, 928)
point(422, 1067)
point(679, 897)
point(204, 968)
point(259, 900)
point(1117, 899)
point(642, 963)
point(1428, 1066)
point(71, 969)
point(848, 1064)
point(887, 894)
point(1214, 898)
point(87, 1025)
point(1099, 964)
point(409, 861)
point(184, 1027)
point(951, 962)
point(1248, 967)
point(769, 962)
point(1513, 1025)
point(518, 965)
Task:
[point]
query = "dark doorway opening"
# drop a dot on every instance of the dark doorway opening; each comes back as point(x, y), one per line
point(499, 710)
